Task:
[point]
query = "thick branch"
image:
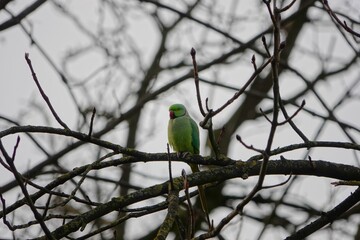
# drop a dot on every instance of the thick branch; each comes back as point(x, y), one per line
point(241, 169)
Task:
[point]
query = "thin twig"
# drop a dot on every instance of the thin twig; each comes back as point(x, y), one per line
point(334, 16)
point(196, 79)
point(311, 162)
point(294, 114)
point(289, 119)
point(279, 184)
point(207, 104)
point(92, 121)
point(272, 16)
point(4, 164)
point(266, 117)
point(6, 222)
point(287, 7)
point(253, 61)
point(346, 183)
point(46, 98)
point(191, 228)
point(46, 208)
point(251, 147)
point(263, 39)
point(170, 168)
point(207, 122)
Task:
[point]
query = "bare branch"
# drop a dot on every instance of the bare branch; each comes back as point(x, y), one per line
point(22, 15)
point(46, 98)
point(196, 79)
point(327, 217)
point(334, 16)
point(18, 177)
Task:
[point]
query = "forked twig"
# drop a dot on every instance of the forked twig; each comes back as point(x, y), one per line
point(334, 16)
point(242, 90)
point(264, 114)
point(294, 114)
point(206, 123)
point(18, 177)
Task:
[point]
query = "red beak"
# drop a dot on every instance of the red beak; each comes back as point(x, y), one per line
point(172, 115)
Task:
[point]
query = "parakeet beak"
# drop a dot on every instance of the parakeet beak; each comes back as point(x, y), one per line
point(171, 114)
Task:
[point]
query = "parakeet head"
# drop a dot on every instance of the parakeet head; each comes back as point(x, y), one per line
point(177, 110)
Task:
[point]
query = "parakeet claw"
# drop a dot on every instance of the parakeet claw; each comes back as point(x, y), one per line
point(182, 154)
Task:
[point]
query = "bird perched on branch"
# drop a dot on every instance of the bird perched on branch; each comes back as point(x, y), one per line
point(183, 136)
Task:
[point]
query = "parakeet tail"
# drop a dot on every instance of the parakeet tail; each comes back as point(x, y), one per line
point(195, 168)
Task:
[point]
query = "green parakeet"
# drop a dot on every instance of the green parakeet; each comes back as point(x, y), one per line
point(183, 136)
point(183, 132)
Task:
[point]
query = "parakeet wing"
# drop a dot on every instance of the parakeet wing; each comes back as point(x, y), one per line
point(195, 136)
